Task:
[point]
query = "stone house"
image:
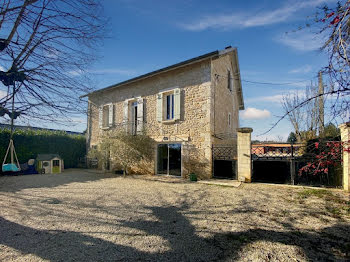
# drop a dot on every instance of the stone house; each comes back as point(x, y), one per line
point(187, 108)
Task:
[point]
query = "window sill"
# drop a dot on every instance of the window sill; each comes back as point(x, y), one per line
point(169, 122)
point(105, 128)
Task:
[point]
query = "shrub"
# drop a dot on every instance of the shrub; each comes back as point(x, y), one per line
point(133, 153)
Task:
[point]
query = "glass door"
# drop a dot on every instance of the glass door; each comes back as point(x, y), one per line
point(162, 156)
point(169, 159)
point(174, 159)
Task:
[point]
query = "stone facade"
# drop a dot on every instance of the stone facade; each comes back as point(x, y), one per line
point(345, 138)
point(206, 103)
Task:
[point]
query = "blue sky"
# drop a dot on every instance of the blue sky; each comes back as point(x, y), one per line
point(148, 35)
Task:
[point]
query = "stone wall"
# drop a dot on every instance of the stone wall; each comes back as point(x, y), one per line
point(244, 154)
point(193, 129)
point(345, 138)
point(206, 102)
point(225, 102)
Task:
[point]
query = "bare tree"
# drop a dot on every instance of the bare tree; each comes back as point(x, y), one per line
point(304, 119)
point(333, 25)
point(45, 45)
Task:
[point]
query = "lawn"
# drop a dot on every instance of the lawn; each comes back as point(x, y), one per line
point(88, 216)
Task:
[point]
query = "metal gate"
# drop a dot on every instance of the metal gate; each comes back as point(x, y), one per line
point(224, 161)
point(285, 163)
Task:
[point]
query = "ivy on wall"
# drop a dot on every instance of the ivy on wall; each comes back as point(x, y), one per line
point(30, 143)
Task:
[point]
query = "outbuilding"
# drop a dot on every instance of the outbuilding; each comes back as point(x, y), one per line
point(50, 163)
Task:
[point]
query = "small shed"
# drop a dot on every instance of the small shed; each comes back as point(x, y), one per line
point(50, 163)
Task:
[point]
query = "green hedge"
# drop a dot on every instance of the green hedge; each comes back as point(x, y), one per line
point(30, 143)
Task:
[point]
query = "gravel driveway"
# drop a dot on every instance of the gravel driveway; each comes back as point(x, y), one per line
point(82, 215)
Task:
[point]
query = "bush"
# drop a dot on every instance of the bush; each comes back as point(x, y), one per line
point(30, 143)
point(324, 164)
point(132, 153)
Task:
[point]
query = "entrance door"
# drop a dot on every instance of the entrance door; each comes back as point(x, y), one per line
point(55, 166)
point(169, 159)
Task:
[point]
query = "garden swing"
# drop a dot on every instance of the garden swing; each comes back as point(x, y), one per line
point(11, 167)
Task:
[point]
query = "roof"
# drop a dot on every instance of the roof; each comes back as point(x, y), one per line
point(276, 144)
point(182, 64)
point(47, 157)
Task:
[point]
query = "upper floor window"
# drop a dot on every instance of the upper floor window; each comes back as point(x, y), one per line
point(106, 116)
point(168, 105)
point(133, 116)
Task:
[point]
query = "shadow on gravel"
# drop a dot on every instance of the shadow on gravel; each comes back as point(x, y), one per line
point(17, 183)
point(184, 244)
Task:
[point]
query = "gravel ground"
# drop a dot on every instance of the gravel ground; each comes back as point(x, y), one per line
point(82, 215)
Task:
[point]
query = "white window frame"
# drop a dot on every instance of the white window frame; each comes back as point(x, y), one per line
point(107, 116)
point(171, 106)
point(128, 120)
point(175, 93)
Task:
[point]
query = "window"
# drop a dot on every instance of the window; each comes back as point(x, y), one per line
point(56, 162)
point(229, 120)
point(229, 80)
point(169, 107)
point(133, 117)
point(105, 116)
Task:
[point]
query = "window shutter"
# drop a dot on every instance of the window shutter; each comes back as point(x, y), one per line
point(177, 103)
point(100, 116)
point(160, 107)
point(110, 115)
point(140, 116)
point(125, 114)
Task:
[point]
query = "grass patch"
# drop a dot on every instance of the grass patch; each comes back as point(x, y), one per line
point(335, 205)
point(314, 192)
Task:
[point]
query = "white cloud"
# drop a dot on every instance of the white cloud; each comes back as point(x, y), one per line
point(254, 113)
point(303, 70)
point(251, 19)
point(105, 71)
point(280, 137)
point(273, 98)
point(76, 72)
point(302, 41)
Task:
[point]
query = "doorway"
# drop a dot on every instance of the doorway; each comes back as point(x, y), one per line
point(169, 159)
